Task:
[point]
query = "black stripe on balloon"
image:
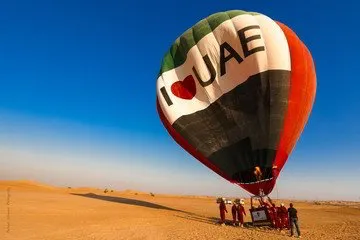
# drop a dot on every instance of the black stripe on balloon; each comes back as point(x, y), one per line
point(166, 96)
point(240, 159)
point(242, 128)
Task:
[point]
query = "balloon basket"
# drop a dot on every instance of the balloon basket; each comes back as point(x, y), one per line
point(260, 215)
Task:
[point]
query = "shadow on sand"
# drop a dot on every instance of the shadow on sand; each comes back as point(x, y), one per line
point(135, 202)
point(198, 218)
point(188, 215)
point(128, 201)
point(247, 225)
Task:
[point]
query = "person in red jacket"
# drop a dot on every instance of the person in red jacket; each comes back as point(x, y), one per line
point(241, 212)
point(222, 208)
point(275, 217)
point(283, 217)
point(268, 205)
point(264, 203)
point(234, 212)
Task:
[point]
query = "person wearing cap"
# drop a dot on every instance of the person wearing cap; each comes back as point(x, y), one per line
point(293, 220)
point(241, 212)
point(222, 208)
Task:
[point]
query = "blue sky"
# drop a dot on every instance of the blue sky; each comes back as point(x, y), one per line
point(77, 96)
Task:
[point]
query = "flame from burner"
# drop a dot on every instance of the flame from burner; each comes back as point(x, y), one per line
point(258, 173)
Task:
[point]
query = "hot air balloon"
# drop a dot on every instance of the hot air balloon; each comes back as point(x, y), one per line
point(235, 91)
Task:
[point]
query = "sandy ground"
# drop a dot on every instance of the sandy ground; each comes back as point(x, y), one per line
point(42, 212)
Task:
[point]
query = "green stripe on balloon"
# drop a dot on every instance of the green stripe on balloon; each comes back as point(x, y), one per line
point(177, 53)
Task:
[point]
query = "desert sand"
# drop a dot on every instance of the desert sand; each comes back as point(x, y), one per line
point(36, 211)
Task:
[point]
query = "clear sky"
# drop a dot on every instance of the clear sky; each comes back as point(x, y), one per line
point(77, 96)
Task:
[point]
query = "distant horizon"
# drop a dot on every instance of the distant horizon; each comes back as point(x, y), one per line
point(230, 197)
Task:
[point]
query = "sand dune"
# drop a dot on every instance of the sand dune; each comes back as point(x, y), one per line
point(37, 211)
point(25, 185)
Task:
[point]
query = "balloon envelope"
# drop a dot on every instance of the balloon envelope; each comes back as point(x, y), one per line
point(235, 91)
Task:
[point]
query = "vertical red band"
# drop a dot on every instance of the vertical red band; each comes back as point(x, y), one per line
point(301, 95)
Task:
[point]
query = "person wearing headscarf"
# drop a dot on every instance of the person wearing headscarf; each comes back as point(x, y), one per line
point(234, 211)
point(223, 210)
point(241, 212)
point(283, 217)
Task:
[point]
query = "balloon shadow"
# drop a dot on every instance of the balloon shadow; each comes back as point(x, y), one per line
point(128, 201)
point(186, 215)
point(198, 218)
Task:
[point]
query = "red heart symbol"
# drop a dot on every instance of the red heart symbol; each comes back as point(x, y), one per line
point(184, 89)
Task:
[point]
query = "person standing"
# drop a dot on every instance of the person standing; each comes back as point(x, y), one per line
point(275, 216)
point(234, 212)
point(222, 208)
point(241, 212)
point(283, 217)
point(293, 220)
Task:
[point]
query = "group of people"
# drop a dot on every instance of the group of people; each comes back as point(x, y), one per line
point(280, 217)
point(237, 211)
